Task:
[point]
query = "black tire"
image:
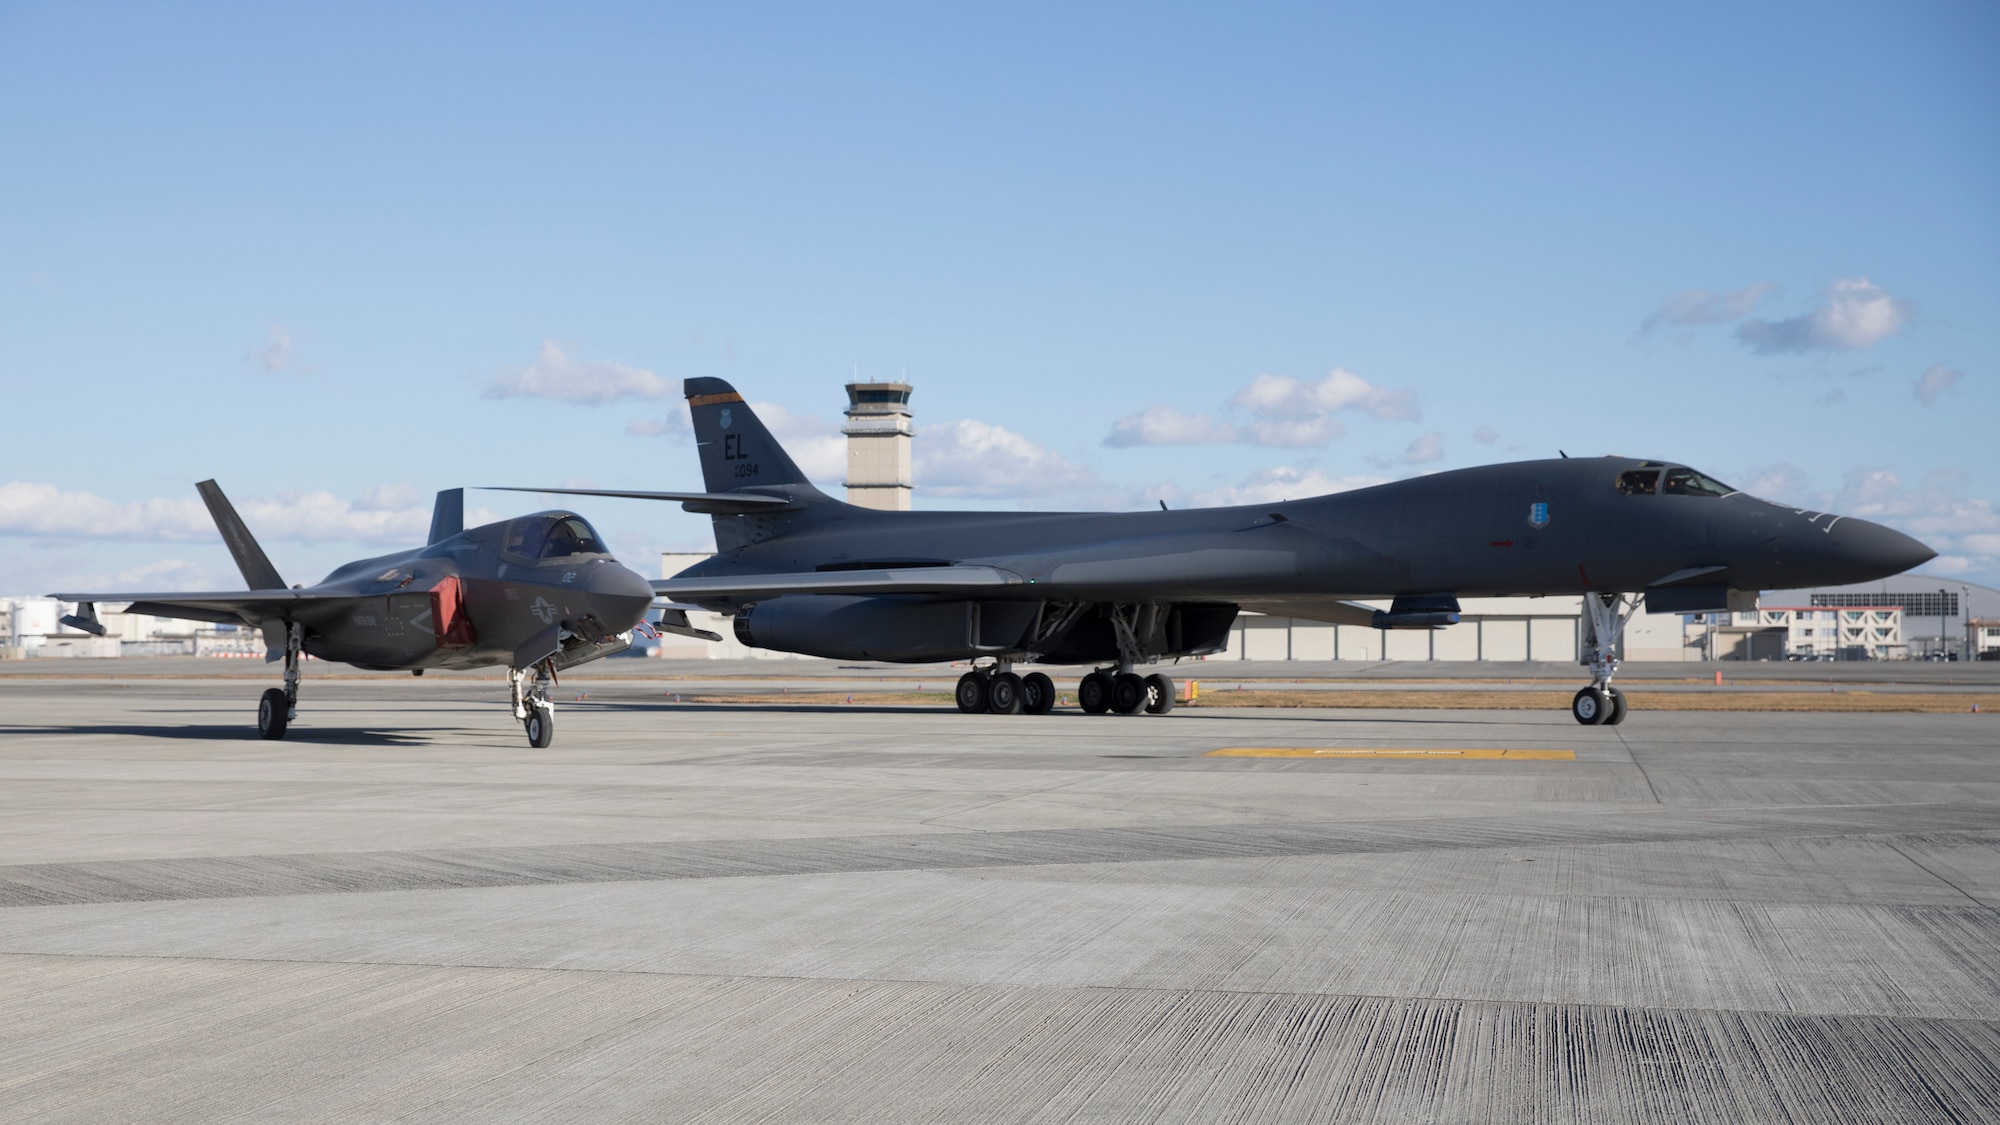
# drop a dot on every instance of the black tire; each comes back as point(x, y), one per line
point(1159, 694)
point(1616, 703)
point(1094, 694)
point(1003, 694)
point(1038, 694)
point(1589, 707)
point(1128, 693)
point(971, 693)
point(540, 725)
point(274, 713)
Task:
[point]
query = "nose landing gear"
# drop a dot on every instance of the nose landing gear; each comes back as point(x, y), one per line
point(1600, 703)
point(531, 703)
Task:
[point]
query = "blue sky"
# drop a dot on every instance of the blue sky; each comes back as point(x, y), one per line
point(339, 258)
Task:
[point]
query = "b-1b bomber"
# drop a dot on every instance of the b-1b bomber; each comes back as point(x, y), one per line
point(802, 572)
point(535, 595)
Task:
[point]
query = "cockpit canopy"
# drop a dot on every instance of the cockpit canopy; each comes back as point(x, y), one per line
point(1679, 481)
point(552, 535)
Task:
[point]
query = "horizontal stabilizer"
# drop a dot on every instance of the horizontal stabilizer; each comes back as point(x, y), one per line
point(906, 580)
point(223, 607)
point(85, 618)
point(708, 503)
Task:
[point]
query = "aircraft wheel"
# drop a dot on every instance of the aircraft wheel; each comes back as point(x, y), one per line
point(541, 725)
point(1128, 693)
point(1094, 694)
point(1003, 694)
point(1589, 706)
point(1615, 707)
point(1159, 694)
point(273, 713)
point(971, 693)
point(1038, 694)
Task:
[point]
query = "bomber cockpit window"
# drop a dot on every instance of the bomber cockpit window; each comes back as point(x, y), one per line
point(571, 536)
point(1638, 482)
point(1687, 482)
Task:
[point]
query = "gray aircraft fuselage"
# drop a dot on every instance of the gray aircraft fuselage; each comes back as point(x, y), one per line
point(385, 618)
point(1470, 532)
point(806, 573)
point(512, 593)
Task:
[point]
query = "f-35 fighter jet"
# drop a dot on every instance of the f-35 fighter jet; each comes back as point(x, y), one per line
point(539, 593)
point(804, 573)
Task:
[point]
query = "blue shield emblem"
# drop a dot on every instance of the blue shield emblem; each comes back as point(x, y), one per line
point(1538, 516)
point(725, 417)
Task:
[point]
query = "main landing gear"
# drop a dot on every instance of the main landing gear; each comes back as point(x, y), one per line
point(1600, 703)
point(279, 706)
point(998, 690)
point(531, 702)
point(1125, 692)
point(1117, 688)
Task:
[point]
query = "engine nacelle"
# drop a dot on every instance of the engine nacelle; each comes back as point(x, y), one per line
point(893, 628)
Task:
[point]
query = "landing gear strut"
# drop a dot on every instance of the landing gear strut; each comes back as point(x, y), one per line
point(1600, 703)
point(531, 702)
point(279, 706)
point(1119, 688)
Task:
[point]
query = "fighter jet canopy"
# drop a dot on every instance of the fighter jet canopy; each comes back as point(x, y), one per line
point(552, 535)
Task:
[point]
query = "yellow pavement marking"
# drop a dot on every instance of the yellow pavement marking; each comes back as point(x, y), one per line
point(1389, 752)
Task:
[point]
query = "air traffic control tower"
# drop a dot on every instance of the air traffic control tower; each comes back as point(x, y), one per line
point(878, 445)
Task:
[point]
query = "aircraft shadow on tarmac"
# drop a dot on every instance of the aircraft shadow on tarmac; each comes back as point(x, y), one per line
point(1273, 714)
point(231, 733)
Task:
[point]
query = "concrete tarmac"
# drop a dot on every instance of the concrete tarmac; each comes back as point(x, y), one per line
point(871, 913)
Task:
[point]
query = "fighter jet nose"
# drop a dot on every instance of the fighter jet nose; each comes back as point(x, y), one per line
point(619, 591)
point(622, 582)
point(1883, 551)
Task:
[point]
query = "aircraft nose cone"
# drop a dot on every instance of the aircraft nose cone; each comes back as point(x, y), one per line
point(623, 595)
point(1882, 551)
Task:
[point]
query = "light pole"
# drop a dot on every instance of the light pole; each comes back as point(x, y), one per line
point(1943, 604)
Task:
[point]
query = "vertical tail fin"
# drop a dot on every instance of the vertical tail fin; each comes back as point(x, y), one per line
point(736, 450)
point(250, 558)
point(448, 517)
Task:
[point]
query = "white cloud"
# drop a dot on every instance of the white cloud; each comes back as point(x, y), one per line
point(556, 376)
point(277, 355)
point(1699, 306)
point(1781, 484)
point(1486, 435)
point(394, 516)
point(1854, 313)
point(976, 459)
point(1281, 396)
point(1423, 451)
point(1282, 482)
point(1285, 413)
point(674, 427)
point(1935, 381)
point(1164, 425)
point(816, 445)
